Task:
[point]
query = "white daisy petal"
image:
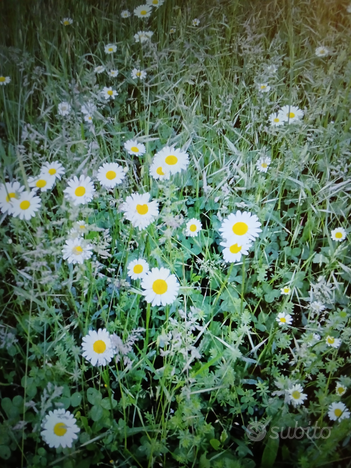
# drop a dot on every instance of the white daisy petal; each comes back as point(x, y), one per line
point(193, 227)
point(160, 287)
point(76, 250)
point(59, 428)
point(241, 228)
point(338, 411)
point(134, 148)
point(139, 211)
point(26, 205)
point(138, 268)
point(97, 347)
point(8, 192)
point(110, 174)
point(80, 191)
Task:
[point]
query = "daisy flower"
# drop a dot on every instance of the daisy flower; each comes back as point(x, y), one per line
point(263, 163)
point(264, 88)
point(26, 205)
point(143, 36)
point(80, 190)
point(99, 69)
point(64, 108)
point(80, 228)
point(88, 108)
point(76, 251)
point(340, 389)
point(159, 171)
point(155, 3)
point(161, 287)
point(172, 30)
point(275, 119)
point(193, 227)
point(290, 114)
point(125, 14)
point(109, 93)
point(285, 290)
point(133, 147)
point(333, 342)
point(110, 48)
point(110, 174)
point(4, 80)
point(59, 428)
point(240, 227)
point(338, 234)
point(67, 21)
point(41, 182)
point(113, 73)
point(142, 11)
point(8, 192)
point(322, 51)
point(174, 160)
point(54, 169)
point(338, 411)
point(88, 118)
point(138, 268)
point(139, 211)
point(296, 396)
point(136, 73)
point(97, 347)
point(284, 319)
point(195, 22)
point(233, 251)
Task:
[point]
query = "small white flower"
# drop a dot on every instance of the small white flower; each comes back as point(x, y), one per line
point(290, 114)
point(338, 411)
point(195, 22)
point(97, 347)
point(285, 290)
point(143, 36)
point(159, 171)
point(322, 51)
point(139, 210)
point(138, 268)
point(234, 250)
point(263, 88)
point(333, 342)
point(284, 319)
point(155, 3)
point(193, 227)
point(296, 396)
point(64, 108)
point(161, 287)
point(125, 14)
point(136, 73)
point(172, 159)
point(99, 69)
point(88, 118)
point(67, 21)
point(263, 163)
point(113, 73)
point(4, 80)
point(26, 205)
point(54, 169)
point(80, 191)
point(275, 119)
point(340, 389)
point(142, 11)
point(41, 182)
point(76, 251)
point(134, 148)
point(59, 428)
point(8, 192)
point(241, 228)
point(338, 234)
point(110, 48)
point(110, 174)
point(109, 93)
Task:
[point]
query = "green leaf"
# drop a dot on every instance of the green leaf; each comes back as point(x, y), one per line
point(106, 403)
point(76, 399)
point(215, 443)
point(96, 413)
point(5, 452)
point(94, 396)
point(270, 453)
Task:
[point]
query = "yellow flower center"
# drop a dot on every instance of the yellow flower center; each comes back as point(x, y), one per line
point(159, 286)
point(159, 171)
point(330, 340)
point(41, 183)
point(235, 248)
point(338, 235)
point(82, 226)
point(110, 49)
point(135, 149)
point(296, 395)
point(66, 23)
point(283, 319)
point(338, 412)
point(142, 209)
point(143, 12)
point(9, 196)
point(155, 2)
point(192, 228)
point(286, 290)
point(138, 73)
point(276, 120)
point(340, 390)
point(264, 165)
point(110, 175)
point(60, 429)
point(110, 92)
point(138, 269)
point(77, 250)
point(240, 228)
point(171, 160)
point(291, 115)
point(263, 86)
point(99, 346)
point(25, 205)
point(52, 171)
point(2, 79)
point(79, 191)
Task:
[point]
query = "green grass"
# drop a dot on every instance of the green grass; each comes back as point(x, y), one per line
point(194, 374)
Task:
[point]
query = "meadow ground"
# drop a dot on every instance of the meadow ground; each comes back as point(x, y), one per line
point(175, 234)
